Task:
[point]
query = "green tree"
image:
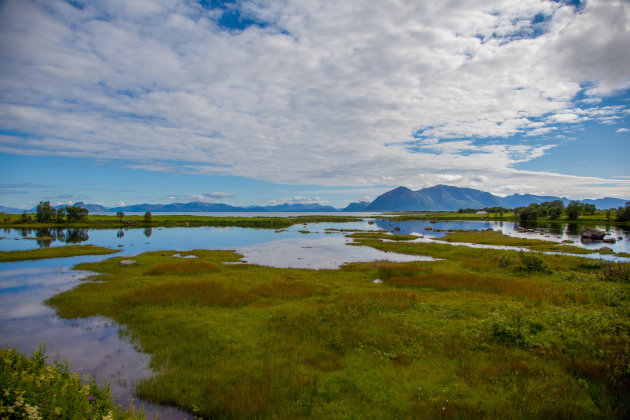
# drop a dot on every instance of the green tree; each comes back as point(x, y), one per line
point(589, 208)
point(623, 213)
point(59, 215)
point(147, 218)
point(573, 210)
point(44, 213)
point(529, 213)
point(120, 215)
point(76, 214)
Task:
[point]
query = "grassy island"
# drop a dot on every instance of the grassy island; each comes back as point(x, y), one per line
point(481, 333)
point(54, 252)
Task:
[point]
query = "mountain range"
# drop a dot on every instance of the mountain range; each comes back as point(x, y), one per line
point(436, 198)
point(448, 198)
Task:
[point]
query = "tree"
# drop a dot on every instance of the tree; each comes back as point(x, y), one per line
point(573, 210)
point(147, 218)
point(120, 215)
point(24, 218)
point(589, 208)
point(76, 213)
point(59, 215)
point(555, 212)
point(623, 213)
point(44, 212)
point(529, 213)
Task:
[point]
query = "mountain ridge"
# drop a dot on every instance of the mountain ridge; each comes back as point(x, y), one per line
point(437, 198)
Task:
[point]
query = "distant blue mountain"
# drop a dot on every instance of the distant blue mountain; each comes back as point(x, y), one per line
point(196, 207)
point(522, 200)
point(360, 206)
point(11, 210)
point(436, 198)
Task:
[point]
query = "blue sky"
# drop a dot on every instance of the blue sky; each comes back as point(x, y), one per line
point(264, 102)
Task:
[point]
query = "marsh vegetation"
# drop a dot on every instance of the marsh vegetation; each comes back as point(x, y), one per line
point(481, 333)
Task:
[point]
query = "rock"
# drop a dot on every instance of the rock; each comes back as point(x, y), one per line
point(396, 228)
point(605, 249)
point(619, 238)
point(127, 262)
point(428, 228)
point(592, 234)
point(609, 240)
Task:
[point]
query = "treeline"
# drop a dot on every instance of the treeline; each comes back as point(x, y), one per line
point(45, 213)
point(553, 210)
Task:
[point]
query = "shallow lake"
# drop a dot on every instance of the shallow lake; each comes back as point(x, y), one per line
point(97, 346)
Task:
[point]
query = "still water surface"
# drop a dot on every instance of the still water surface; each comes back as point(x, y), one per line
point(98, 346)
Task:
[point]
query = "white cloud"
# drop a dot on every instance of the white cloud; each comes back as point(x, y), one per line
point(299, 200)
point(212, 197)
point(622, 130)
point(315, 96)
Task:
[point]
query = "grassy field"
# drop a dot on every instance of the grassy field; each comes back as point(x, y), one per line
point(55, 252)
point(188, 220)
point(479, 334)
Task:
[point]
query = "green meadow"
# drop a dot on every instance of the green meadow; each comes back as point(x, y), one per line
point(480, 333)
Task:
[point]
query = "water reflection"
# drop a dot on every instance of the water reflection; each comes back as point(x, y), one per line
point(93, 345)
point(147, 232)
point(550, 231)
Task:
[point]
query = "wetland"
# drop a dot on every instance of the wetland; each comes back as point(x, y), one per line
point(350, 319)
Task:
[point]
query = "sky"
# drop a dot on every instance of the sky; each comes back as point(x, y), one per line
point(269, 101)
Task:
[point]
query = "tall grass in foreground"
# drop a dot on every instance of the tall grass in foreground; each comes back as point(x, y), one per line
point(32, 388)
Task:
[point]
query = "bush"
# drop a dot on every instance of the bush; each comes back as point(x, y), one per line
point(612, 271)
point(24, 218)
point(32, 388)
point(147, 218)
point(505, 260)
point(510, 327)
point(532, 263)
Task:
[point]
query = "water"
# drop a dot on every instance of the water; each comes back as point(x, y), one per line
point(98, 346)
point(555, 232)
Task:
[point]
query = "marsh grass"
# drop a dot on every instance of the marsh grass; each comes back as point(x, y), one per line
point(468, 336)
point(55, 252)
point(182, 267)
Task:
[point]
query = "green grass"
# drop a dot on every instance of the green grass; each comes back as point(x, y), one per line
point(55, 252)
point(33, 388)
point(479, 334)
point(188, 220)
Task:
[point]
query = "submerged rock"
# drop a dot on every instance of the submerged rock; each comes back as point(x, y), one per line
point(609, 240)
point(127, 262)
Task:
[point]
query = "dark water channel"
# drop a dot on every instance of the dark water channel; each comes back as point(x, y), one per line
point(98, 346)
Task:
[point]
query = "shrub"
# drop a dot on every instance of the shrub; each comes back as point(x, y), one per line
point(32, 388)
point(532, 263)
point(505, 260)
point(612, 271)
